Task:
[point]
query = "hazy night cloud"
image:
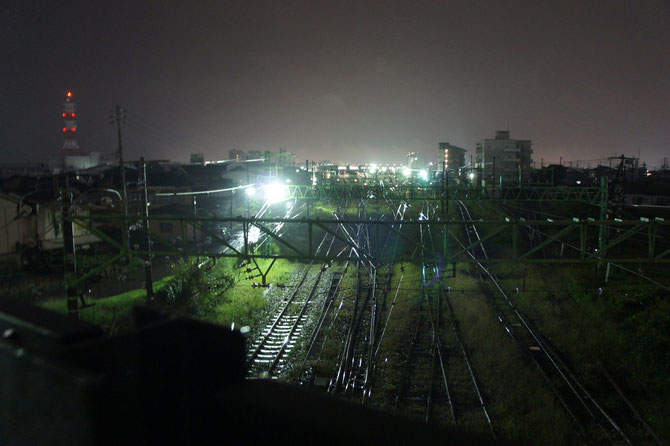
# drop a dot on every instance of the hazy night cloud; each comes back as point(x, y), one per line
point(334, 101)
point(333, 80)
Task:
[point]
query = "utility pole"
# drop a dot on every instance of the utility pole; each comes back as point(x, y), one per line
point(493, 182)
point(232, 199)
point(445, 191)
point(70, 258)
point(195, 214)
point(148, 273)
point(247, 194)
point(119, 116)
point(602, 231)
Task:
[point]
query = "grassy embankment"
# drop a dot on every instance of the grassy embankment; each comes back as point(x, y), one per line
point(622, 331)
point(109, 309)
point(520, 405)
point(221, 294)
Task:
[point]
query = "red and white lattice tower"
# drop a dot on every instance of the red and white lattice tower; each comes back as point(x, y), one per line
point(70, 147)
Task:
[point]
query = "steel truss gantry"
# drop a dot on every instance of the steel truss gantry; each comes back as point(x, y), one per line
point(580, 236)
point(334, 191)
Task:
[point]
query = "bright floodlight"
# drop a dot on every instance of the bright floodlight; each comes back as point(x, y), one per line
point(274, 193)
point(424, 175)
point(254, 234)
point(471, 176)
point(251, 191)
point(407, 171)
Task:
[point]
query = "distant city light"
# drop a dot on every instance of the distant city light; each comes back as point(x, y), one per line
point(423, 175)
point(471, 175)
point(406, 171)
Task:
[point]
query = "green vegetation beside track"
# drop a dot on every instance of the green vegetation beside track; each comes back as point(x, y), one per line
point(218, 292)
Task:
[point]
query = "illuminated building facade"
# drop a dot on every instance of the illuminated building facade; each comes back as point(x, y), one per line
point(452, 157)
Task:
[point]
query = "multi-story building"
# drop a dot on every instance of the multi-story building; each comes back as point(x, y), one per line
point(197, 158)
point(415, 161)
point(237, 155)
point(452, 157)
point(502, 160)
point(286, 158)
point(255, 155)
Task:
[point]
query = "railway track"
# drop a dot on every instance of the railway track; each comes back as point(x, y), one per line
point(354, 325)
point(634, 429)
point(269, 353)
point(439, 383)
point(351, 374)
point(594, 420)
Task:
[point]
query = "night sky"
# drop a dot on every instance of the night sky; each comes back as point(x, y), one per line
point(355, 81)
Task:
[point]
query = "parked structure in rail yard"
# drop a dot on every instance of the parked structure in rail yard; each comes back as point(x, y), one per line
point(502, 160)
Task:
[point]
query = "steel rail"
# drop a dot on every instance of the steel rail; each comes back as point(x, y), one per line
point(438, 348)
point(564, 372)
point(628, 404)
point(271, 330)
